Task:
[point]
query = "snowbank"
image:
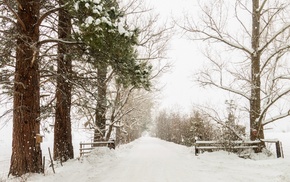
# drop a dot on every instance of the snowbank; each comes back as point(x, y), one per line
point(149, 159)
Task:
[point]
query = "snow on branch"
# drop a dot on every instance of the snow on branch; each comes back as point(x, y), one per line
point(233, 91)
point(282, 77)
point(221, 39)
point(279, 53)
point(283, 29)
point(42, 17)
point(56, 41)
point(278, 117)
point(218, 120)
point(8, 19)
point(273, 101)
point(262, 6)
point(209, 81)
point(15, 14)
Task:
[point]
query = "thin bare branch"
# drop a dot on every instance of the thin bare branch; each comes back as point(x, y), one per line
point(15, 14)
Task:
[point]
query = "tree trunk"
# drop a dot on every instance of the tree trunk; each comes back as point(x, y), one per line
point(110, 130)
point(26, 152)
point(63, 148)
point(118, 135)
point(101, 103)
point(255, 101)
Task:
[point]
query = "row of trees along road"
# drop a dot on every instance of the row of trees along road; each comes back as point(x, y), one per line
point(247, 45)
point(185, 129)
point(182, 129)
point(88, 54)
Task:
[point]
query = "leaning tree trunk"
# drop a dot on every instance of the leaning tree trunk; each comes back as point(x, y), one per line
point(101, 108)
point(63, 148)
point(255, 101)
point(26, 152)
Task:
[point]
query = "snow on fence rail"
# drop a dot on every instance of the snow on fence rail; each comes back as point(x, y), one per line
point(235, 145)
point(86, 148)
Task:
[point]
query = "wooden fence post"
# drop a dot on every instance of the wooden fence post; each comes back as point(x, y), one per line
point(51, 160)
point(81, 149)
point(278, 151)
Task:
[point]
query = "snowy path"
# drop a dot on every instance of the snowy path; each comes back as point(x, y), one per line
point(153, 160)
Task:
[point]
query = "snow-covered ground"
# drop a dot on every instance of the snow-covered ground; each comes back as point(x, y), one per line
point(150, 159)
point(5, 149)
point(153, 160)
point(79, 135)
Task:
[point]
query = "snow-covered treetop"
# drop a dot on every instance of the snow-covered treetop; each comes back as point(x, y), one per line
point(108, 41)
point(97, 16)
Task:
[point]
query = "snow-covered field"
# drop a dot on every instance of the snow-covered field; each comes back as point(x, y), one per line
point(153, 160)
point(150, 159)
point(79, 135)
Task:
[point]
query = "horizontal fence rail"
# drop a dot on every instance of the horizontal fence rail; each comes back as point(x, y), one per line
point(235, 145)
point(87, 147)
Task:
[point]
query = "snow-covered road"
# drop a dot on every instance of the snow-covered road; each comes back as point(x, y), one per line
point(153, 160)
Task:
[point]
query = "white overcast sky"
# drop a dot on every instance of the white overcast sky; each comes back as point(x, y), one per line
point(180, 91)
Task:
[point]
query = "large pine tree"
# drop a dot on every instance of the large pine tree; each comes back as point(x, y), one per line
point(26, 152)
point(63, 148)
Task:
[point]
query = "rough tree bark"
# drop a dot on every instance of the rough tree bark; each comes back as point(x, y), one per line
point(26, 152)
point(255, 99)
point(63, 148)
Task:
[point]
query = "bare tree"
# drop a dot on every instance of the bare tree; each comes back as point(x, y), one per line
point(130, 112)
point(251, 43)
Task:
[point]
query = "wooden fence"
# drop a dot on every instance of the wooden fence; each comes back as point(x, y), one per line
point(86, 148)
point(236, 145)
